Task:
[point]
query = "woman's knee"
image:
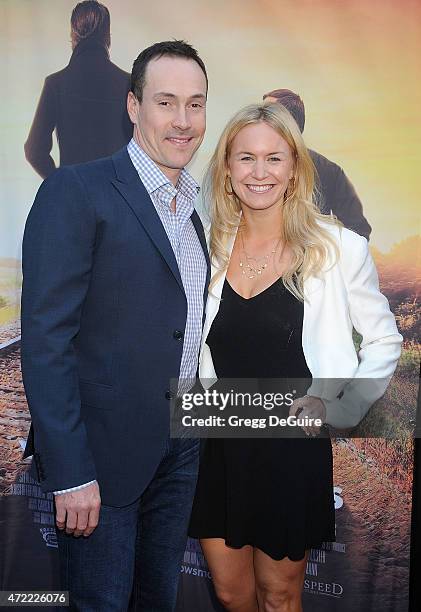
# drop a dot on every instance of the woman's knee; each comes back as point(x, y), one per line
point(235, 596)
point(279, 598)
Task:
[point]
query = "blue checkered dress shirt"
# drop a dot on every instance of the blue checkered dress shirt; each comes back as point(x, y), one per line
point(185, 244)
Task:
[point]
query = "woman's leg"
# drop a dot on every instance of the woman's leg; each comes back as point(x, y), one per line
point(232, 573)
point(279, 584)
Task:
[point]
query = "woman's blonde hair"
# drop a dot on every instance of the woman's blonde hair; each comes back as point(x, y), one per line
point(308, 240)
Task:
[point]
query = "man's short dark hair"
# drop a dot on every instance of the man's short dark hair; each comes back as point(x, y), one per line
point(171, 48)
point(90, 19)
point(292, 103)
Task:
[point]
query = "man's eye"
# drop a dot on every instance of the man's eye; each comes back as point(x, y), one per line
point(163, 103)
point(196, 105)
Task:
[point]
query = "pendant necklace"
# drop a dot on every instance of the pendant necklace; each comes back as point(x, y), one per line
point(255, 266)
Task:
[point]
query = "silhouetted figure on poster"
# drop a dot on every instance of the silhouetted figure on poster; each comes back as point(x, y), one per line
point(85, 102)
point(336, 192)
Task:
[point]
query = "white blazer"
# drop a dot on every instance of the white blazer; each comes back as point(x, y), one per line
point(345, 296)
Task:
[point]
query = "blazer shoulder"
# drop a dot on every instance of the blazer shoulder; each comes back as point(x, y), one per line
point(345, 238)
point(86, 176)
point(352, 248)
point(97, 168)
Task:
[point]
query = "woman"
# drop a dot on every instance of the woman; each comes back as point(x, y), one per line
point(288, 286)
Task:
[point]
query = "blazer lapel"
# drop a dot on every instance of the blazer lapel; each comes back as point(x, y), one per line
point(214, 297)
point(133, 191)
point(207, 372)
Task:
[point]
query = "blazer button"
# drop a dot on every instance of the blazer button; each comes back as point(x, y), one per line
point(178, 335)
point(168, 395)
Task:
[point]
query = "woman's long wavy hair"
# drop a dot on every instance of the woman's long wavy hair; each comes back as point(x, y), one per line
point(308, 240)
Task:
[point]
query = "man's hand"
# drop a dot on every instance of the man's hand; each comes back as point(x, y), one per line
point(311, 407)
point(78, 511)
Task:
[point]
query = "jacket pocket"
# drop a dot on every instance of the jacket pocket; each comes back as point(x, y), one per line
point(97, 395)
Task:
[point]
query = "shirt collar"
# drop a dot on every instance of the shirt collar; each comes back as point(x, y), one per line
point(153, 178)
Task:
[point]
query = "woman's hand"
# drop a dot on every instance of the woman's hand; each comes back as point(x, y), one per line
point(311, 407)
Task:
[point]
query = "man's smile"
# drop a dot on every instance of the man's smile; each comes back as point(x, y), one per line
point(180, 141)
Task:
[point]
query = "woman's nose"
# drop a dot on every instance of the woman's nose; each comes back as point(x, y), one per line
point(259, 170)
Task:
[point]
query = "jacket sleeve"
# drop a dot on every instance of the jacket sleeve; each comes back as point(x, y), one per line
point(381, 343)
point(57, 259)
point(40, 142)
point(349, 208)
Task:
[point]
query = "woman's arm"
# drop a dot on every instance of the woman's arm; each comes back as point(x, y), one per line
point(40, 142)
point(381, 343)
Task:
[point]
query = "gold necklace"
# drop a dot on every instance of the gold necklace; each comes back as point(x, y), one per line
point(250, 269)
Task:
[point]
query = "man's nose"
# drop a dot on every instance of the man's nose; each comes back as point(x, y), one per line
point(181, 119)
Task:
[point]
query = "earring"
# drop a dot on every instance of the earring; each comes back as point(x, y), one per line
point(228, 191)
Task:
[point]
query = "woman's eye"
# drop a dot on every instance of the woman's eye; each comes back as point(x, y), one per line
point(274, 159)
point(246, 158)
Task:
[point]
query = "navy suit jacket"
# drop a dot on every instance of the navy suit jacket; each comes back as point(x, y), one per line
point(102, 307)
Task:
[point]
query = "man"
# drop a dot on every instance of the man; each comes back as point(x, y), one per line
point(115, 277)
point(83, 98)
point(336, 192)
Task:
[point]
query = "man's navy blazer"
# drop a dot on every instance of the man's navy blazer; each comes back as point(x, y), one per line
point(103, 306)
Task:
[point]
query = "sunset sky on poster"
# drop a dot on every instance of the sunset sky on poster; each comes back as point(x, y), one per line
point(355, 63)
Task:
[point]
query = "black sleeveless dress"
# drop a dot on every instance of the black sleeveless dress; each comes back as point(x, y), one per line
point(273, 494)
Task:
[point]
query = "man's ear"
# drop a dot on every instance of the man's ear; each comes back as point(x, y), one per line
point(132, 104)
